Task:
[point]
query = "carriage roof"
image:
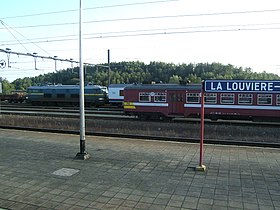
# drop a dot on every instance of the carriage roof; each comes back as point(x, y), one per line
point(163, 87)
point(58, 87)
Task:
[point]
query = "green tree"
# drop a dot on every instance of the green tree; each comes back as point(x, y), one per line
point(7, 87)
point(175, 79)
point(139, 72)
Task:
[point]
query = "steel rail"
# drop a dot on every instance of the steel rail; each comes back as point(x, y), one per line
point(152, 138)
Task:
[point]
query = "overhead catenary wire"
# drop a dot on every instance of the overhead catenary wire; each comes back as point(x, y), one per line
point(91, 8)
point(148, 18)
point(147, 32)
point(55, 58)
point(57, 12)
point(152, 32)
point(101, 34)
point(9, 28)
point(122, 33)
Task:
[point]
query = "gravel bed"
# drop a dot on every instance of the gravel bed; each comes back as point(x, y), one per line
point(137, 127)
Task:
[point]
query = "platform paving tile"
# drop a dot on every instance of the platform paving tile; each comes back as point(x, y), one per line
point(133, 174)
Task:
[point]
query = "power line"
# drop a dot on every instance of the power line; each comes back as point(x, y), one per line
point(152, 32)
point(183, 32)
point(9, 27)
point(92, 8)
point(157, 29)
point(184, 15)
point(148, 18)
point(13, 34)
point(35, 56)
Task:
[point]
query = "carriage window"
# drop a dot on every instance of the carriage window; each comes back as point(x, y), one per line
point(144, 97)
point(278, 100)
point(245, 98)
point(160, 97)
point(227, 98)
point(193, 97)
point(264, 99)
point(210, 98)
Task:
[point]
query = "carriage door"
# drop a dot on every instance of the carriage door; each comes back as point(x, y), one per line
point(176, 103)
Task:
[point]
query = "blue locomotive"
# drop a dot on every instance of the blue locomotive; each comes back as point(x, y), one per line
point(60, 95)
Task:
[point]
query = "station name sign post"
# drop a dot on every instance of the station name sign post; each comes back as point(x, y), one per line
point(241, 86)
point(201, 166)
point(217, 86)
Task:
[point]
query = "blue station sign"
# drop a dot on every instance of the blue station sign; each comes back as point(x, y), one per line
point(241, 86)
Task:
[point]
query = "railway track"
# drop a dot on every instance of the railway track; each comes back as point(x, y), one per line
point(149, 137)
point(19, 107)
point(66, 112)
point(111, 122)
point(109, 113)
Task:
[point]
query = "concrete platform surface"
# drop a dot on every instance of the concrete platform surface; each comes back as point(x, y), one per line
point(38, 171)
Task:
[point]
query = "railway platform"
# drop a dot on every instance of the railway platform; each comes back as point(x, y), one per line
point(38, 171)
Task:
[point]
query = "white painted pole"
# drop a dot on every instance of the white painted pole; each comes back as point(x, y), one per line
point(82, 154)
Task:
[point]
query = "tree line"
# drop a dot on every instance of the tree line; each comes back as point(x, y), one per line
point(139, 72)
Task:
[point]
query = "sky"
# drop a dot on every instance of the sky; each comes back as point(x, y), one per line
point(243, 33)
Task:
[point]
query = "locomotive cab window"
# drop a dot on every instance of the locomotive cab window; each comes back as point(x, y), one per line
point(227, 98)
point(144, 97)
point(245, 98)
point(264, 99)
point(121, 93)
point(192, 98)
point(210, 98)
point(160, 97)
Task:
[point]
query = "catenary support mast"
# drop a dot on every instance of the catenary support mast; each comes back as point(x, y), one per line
point(82, 154)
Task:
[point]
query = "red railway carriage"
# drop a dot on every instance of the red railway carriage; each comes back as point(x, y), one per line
point(157, 101)
point(169, 101)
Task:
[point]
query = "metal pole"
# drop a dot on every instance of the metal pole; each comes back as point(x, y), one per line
point(82, 154)
point(8, 56)
point(201, 167)
point(35, 60)
point(109, 68)
point(55, 63)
